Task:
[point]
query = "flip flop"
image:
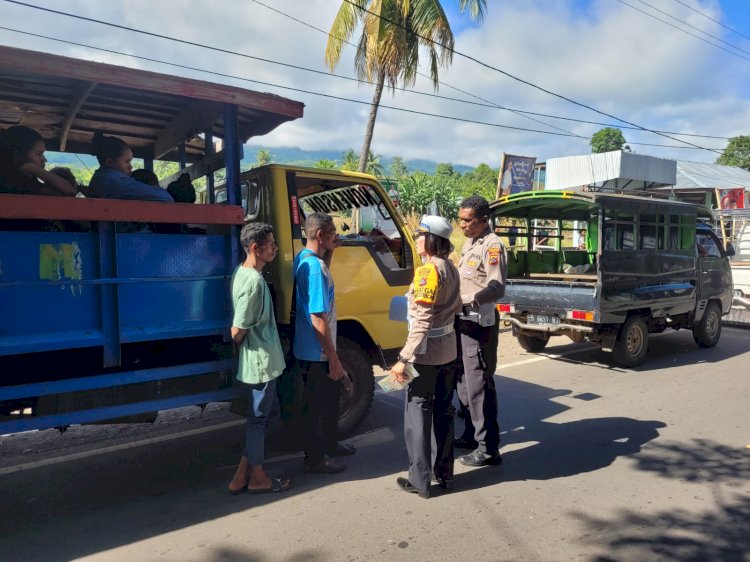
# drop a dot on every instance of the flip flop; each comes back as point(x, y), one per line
point(277, 485)
point(238, 491)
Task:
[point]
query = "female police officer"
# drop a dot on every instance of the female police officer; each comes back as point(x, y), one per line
point(434, 300)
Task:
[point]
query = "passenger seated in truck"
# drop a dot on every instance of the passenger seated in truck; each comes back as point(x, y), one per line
point(145, 176)
point(182, 191)
point(67, 175)
point(113, 179)
point(22, 164)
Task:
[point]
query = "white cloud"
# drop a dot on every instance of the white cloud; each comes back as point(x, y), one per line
point(600, 53)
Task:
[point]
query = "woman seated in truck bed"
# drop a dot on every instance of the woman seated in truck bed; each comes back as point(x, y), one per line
point(113, 179)
point(22, 164)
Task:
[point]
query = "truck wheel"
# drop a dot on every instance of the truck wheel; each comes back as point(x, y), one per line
point(632, 344)
point(707, 332)
point(533, 344)
point(358, 386)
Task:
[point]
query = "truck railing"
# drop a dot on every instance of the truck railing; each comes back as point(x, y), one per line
point(89, 301)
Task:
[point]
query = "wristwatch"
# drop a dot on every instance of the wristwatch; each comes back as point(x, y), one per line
point(401, 359)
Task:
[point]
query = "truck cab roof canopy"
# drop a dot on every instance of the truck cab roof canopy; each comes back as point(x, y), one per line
point(569, 205)
point(67, 100)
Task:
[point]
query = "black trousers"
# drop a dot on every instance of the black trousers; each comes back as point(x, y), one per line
point(475, 383)
point(320, 410)
point(428, 424)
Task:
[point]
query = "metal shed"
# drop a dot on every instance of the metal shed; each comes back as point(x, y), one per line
point(610, 171)
point(698, 175)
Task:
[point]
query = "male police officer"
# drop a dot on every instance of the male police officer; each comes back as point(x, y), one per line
point(482, 268)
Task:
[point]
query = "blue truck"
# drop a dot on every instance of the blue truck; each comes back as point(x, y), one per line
point(111, 310)
point(103, 322)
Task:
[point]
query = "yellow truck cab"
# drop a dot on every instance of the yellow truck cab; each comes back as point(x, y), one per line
point(374, 263)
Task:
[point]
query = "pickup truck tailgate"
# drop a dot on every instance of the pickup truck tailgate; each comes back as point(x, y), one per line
point(551, 297)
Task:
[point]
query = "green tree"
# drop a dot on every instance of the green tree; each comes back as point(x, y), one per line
point(374, 165)
point(164, 169)
point(393, 32)
point(327, 164)
point(737, 153)
point(262, 158)
point(444, 169)
point(480, 181)
point(417, 191)
point(398, 167)
point(607, 140)
point(350, 161)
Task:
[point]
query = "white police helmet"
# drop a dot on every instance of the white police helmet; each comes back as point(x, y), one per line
point(435, 225)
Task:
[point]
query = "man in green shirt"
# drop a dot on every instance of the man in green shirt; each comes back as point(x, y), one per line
point(261, 359)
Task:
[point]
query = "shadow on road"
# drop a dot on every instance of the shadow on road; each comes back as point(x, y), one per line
point(711, 534)
point(701, 460)
point(103, 502)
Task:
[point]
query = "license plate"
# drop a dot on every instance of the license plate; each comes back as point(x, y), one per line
point(542, 319)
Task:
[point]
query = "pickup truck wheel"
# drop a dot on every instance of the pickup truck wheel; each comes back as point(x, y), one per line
point(358, 385)
point(707, 332)
point(533, 344)
point(632, 345)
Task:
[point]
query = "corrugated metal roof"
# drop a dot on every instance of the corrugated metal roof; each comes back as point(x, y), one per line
point(610, 170)
point(696, 175)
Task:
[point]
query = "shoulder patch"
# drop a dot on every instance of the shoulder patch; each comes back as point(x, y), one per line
point(425, 284)
point(493, 255)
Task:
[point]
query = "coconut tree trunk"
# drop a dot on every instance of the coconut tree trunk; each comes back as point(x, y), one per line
point(365, 154)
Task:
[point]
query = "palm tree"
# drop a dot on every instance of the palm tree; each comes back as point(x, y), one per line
point(349, 160)
point(374, 165)
point(325, 164)
point(392, 33)
point(263, 157)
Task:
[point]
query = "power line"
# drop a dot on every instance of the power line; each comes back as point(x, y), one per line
point(521, 80)
point(320, 94)
point(684, 30)
point(299, 90)
point(683, 22)
point(712, 19)
point(297, 67)
point(487, 104)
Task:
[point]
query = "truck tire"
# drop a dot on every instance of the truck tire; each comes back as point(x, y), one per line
point(358, 388)
point(631, 345)
point(707, 332)
point(533, 344)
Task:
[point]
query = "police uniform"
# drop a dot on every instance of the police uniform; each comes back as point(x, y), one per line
point(434, 300)
point(482, 269)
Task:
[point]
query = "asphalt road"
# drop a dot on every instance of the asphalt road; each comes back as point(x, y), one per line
point(600, 464)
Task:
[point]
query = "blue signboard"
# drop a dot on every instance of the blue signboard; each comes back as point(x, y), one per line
point(516, 174)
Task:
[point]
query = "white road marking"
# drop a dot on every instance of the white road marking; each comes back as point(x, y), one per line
point(373, 437)
point(544, 356)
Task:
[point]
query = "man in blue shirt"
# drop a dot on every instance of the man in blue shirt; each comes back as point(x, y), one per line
point(315, 346)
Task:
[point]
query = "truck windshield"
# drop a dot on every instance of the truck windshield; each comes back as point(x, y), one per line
point(360, 216)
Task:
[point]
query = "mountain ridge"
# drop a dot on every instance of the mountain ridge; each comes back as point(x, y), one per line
point(282, 155)
point(302, 157)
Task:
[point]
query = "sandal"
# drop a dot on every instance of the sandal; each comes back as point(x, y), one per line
point(277, 485)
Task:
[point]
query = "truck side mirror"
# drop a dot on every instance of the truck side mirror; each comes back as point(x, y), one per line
point(730, 250)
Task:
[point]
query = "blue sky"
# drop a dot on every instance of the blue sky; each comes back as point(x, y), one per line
point(601, 53)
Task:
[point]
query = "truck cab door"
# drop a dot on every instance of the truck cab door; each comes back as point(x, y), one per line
point(714, 273)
